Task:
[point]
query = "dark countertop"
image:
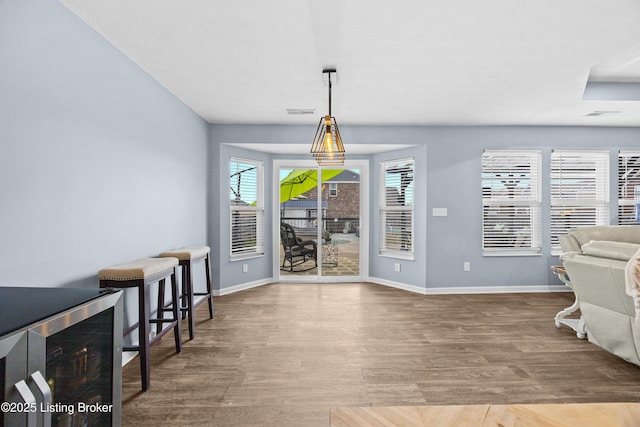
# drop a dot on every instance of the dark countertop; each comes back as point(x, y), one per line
point(20, 307)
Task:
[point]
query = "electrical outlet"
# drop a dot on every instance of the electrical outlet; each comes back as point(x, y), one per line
point(467, 266)
point(396, 267)
point(245, 268)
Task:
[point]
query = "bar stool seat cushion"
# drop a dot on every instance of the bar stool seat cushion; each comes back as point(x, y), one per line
point(187, 253)
point(138, 269)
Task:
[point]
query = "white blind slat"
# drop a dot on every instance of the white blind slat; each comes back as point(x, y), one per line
point(247, 208)
point(579, 191)
point(628, 180)
point(511, 193)
point(396, 208)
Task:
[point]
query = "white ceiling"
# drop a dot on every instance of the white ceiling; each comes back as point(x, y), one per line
point(401, 62)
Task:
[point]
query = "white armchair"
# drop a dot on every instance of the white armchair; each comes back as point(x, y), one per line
point(595, 259)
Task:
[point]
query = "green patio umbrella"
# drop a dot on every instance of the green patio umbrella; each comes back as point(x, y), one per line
point(300, 181)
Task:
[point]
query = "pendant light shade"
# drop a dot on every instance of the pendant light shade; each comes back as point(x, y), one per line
point(327, 146)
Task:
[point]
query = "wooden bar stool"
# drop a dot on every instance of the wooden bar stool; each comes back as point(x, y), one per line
point(188, 256)
point(142, 274)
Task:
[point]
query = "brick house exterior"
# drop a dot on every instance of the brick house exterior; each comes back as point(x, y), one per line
point(341, 196)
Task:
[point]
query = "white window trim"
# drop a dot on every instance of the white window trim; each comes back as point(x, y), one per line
point(533, 202)
point(384, 208)
point(333, 189)
point(364, 194)
point(625, 201)
point(602, 200)
point(258, 209)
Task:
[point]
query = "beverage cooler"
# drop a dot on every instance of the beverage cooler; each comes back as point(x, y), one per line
point(60, 357)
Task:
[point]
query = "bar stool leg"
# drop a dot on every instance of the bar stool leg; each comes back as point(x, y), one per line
point(183, 296)
point(189, 298)
point(161, 286)
point(176, 311)
point(209, 291)
point(143, 336)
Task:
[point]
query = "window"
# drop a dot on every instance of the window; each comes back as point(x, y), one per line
point(247, 208)
point(511, 188)
point(333, 189)
point(628, 180)
point(396, 208)
point(579, 191)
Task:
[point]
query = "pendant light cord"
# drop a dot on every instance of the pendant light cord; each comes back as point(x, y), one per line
point(329, 94)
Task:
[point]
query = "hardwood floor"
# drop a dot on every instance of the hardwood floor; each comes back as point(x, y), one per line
point(610, 414)
point(285, 354)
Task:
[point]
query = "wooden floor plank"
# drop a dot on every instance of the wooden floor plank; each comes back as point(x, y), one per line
point(540, 415)
point(285, 354)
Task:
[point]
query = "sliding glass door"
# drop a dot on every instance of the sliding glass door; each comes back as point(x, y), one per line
point(319, 221)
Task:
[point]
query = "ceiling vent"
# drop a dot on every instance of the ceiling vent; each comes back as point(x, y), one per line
point(300, 111)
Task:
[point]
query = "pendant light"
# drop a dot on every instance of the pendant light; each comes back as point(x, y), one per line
point(327, 145)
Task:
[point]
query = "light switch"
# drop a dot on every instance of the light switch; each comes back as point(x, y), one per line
point(439, 211)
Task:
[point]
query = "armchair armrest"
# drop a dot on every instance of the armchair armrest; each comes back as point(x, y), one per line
point(301, 244)
point(568, 243)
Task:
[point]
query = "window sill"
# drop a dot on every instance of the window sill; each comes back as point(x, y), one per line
point(397, 255)
point(244, 257)
point(510, 254)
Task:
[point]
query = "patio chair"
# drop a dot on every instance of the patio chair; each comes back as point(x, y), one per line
point(296, 251)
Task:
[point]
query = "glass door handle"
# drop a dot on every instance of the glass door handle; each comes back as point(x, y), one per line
point(30, 400)
point(45, 390)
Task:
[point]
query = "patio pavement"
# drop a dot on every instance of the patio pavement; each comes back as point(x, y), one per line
point(348, 257)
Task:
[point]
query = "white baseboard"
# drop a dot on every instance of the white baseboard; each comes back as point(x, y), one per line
point(397, 285)
point(469, 289)
point(497, 289)
point(419, 289)
point(128, 356)
point(242, 287)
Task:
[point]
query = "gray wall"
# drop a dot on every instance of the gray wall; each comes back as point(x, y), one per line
point(412, 272)
point(456, 152)
point(448, 171)
point(227, 273)
point(99, 164)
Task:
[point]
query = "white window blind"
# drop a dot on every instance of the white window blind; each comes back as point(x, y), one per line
point(511, 188)
point(396, 208)
point(628, 179)
point(579, 191)
point(247, 208)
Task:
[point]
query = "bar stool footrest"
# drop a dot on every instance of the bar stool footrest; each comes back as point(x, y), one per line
point(187, 257)
point(165, 320)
